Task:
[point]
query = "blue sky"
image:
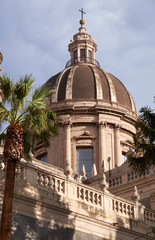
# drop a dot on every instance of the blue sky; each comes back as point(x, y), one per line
point(35, 34)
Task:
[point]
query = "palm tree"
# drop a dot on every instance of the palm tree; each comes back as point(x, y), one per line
point(29, 119)
point(144, 142)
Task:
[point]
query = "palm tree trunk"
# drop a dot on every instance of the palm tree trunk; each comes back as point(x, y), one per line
point(5, 230)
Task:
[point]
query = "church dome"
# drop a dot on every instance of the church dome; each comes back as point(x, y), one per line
point(87, 81)
point(84, 80)
point(96, 113)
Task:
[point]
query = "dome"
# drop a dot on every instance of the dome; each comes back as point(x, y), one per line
point(84, 81)
point(96, 113)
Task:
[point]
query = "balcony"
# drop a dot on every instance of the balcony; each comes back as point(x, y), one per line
point(82, 60)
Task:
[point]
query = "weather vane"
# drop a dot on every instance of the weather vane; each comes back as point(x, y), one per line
point(82, 12)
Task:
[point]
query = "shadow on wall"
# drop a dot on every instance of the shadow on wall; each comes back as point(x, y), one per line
point(26, 228)
point(45, 214)
point(122, 231)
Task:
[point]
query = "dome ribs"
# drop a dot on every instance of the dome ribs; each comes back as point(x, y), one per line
point(83, 83)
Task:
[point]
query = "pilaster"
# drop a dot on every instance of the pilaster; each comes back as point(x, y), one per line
point(102, 147)
point(117, 146)
point(67, 143)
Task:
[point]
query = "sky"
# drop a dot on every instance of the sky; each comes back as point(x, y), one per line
point(34, 38)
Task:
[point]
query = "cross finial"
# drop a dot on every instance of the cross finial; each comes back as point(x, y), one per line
point(82, 12)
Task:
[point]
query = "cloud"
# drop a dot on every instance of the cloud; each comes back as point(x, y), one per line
point(35, 35)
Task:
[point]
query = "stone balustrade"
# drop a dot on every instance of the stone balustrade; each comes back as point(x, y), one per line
point(125, 176)
point(80, 198)
point(51, 182)
point(149, 216)
point(123, 207)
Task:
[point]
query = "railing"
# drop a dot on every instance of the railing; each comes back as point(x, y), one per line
point(126, 177)
point(115, 181)
point(91, 201)
point(89, 196)
point(149, 216)
point(123, 208)
point(51, 182)
point(132, 176)
point(82, 60)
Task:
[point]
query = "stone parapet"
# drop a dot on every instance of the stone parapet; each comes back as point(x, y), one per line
point(42, 188)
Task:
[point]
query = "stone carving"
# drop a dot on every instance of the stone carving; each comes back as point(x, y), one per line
point(103, 184)
point(135, 197)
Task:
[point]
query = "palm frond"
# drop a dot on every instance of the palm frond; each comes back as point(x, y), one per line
point(6, 87)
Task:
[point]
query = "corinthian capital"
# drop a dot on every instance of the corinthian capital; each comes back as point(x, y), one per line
point(102, 124)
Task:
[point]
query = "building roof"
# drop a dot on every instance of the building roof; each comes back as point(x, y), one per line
point(86, 81)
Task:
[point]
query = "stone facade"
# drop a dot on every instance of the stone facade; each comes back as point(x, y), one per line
point(50, 205)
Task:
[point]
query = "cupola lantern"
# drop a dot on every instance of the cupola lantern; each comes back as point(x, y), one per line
point(82, 48)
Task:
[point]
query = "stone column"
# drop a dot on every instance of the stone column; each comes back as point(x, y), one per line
point(102, 146)
point(67, 143)
point(86, 54)
point(78, 53)
point(93, 56)
point(117, 146)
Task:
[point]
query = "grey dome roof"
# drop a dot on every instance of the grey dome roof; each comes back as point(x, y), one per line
point(89, 82)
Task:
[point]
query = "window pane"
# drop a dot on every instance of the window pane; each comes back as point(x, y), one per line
point(124, 158)
point(89, 54)
point(82, 52)
point(75, 56)
point(84, 157)
point(43, 157)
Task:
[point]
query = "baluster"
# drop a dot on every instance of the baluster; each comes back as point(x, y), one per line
point(121, 208)
point(113, 182)
point(40, 179)
point(91, 197)
point(116, 206)
point(56, 185)
point(86, 195)
point(132, 211)
point(78, 192)
point(99, 200)
point(128, 210)
point(113, 203)
point(62, 186)
point(117, 181)
point(124, 208)
point(81, 193)
point(50, 183)
point(45, 181)
point(95, 198)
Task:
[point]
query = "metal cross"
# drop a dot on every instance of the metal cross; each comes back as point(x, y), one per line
point(82, 12)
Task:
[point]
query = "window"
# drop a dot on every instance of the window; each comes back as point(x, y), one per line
point(42, 157)
point(75, 56)
point(82, 54)
point(124, 158)
point(89, 56)
point(84, 157)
